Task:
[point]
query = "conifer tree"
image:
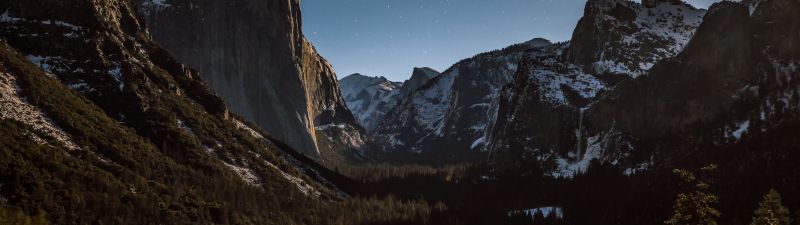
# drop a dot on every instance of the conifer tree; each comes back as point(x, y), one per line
point(696, 206)
point(771, 211)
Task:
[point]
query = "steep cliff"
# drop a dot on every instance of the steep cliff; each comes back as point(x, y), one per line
point(101, 125)
point(542, 113)
point(254, 55)
point(627, 38)
point(731, 89)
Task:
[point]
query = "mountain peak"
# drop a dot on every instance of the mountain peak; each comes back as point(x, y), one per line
point(424, 72)
point(538, 42)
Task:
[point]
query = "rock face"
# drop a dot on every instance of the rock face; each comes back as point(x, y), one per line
point(456, 114)
point(419, 77)
point(447, 119)
point(732, 86)
point(370, 98)
point(92, 105)
point(719, 92)
point(624, 37)
point(254, 55)
point(543, 113)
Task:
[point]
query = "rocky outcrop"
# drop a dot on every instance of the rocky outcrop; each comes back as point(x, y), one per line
point(626, 38)
point(254, 55)
point(419, 77)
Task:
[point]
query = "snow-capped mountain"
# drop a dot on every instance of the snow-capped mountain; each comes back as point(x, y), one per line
point(370, 98)
point(729, 85)
point(449, 116)
point(542, 113)
point(457, 112)
point(624, 37)
point(268, 72)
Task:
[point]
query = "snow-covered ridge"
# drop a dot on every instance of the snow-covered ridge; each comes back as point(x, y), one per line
point(459, 105)
point(369, 98)
point(553, 76)
point(247, 175)
point(654, 33)
point(15, 107)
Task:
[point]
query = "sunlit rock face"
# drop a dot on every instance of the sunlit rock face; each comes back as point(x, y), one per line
point(254, 55)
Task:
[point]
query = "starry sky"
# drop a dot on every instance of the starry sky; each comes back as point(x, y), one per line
point(391, 37)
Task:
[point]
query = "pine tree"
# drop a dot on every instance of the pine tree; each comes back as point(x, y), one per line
point(695, 207)
point(771, 211)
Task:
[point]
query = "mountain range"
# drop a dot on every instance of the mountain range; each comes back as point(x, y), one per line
point(222, 112)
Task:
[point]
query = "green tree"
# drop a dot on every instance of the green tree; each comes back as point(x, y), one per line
point(696, 205)
point(771, 211)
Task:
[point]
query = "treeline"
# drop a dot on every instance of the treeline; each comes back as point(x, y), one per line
point(376, 172)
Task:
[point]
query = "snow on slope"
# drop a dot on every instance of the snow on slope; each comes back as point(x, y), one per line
point(370, 98)
point(247, 174)
point(15, 107)
point(455, 109)
point(638, 35)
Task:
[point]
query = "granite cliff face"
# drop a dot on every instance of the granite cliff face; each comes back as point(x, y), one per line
point(730, 86)
point(542, 114)
point(254, 55)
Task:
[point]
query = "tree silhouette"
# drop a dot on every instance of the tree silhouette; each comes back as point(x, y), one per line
point(771, 211)
point(695, 207)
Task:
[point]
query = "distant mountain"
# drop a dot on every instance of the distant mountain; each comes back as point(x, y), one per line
point(262, 65)
point(370, 98)
point(446, 120)
point(455, 116)
point(419, 77)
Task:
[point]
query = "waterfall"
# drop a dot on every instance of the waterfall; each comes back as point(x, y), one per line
point(579, 134)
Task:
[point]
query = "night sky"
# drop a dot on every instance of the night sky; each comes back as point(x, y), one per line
point(390, 37)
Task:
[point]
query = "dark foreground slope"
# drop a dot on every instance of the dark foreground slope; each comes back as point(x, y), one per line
point(99, 125)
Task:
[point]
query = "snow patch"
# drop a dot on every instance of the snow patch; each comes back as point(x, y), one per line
point(14, 107)
point(301, 184)
point(246, 174)
point(241, 126)
point(739, 130)
point(477, 143)
point(558, 212)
